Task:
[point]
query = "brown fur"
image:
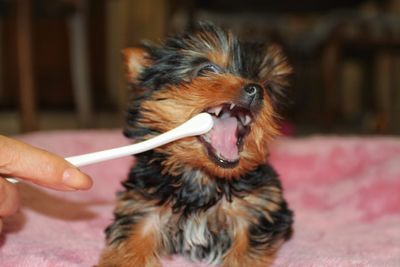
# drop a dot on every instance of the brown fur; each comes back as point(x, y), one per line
point(190, 100)
point(141, 249)
point(135, 60)
point(153, 226)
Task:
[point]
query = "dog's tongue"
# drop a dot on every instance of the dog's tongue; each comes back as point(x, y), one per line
point(223, 137)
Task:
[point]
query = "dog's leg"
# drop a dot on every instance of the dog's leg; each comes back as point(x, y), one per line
point(140, 249)
point(241, 254)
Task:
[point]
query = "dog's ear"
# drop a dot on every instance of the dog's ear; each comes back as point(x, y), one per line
point(136, 59)
point(274, 72)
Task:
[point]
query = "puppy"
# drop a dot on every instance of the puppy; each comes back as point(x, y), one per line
point(212, 198)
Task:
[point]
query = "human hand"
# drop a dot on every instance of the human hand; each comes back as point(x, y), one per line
point(38, 166)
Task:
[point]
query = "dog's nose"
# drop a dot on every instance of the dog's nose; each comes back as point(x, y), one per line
point(251, 95)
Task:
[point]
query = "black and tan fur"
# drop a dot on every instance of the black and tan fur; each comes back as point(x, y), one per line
point(178, 198)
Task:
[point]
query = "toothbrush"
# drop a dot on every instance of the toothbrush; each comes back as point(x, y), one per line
point(197, 125)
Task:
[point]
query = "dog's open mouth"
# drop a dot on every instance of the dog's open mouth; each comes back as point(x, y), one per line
point(225, 140)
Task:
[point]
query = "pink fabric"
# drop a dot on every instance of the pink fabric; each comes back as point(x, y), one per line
point(345, 193)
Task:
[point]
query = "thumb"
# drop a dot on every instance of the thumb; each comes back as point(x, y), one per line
point(39, 166)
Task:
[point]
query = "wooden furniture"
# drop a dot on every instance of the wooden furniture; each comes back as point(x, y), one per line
point(128, 24)
point(79, 65)
point(27, 103)
point(374, 41)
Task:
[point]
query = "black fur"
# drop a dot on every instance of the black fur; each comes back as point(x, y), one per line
point(172, 66)
point(184, 193)
point(192, 197)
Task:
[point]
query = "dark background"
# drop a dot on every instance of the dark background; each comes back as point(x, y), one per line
point(346, 58)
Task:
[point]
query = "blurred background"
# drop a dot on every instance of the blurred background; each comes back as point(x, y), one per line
point(61, 67)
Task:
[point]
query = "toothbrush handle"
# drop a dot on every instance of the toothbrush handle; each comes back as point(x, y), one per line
point(90, 158)
point(197, 125)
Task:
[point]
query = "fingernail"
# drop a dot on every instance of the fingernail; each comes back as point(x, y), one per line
point(72, 178)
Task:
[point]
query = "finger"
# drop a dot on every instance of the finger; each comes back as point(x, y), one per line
point(9, 200)
point(1, 225)
point(39, 166)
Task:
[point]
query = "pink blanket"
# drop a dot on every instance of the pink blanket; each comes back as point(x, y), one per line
point(345, 193)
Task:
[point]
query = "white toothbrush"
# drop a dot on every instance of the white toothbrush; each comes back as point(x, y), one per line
point(197, 125)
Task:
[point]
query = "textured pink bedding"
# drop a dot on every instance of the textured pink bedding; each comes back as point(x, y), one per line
point(345, 192)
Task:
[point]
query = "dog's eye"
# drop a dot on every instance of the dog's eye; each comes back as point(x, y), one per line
point(207, 69)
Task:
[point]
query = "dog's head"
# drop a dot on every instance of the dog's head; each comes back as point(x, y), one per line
point(207, 70)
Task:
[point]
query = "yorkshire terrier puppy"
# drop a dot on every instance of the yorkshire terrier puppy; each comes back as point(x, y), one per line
point(212, 198)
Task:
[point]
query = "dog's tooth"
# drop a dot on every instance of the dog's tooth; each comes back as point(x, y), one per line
point(242, 120)
point(232, 106)
point(217, 110)
point(247, 120)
